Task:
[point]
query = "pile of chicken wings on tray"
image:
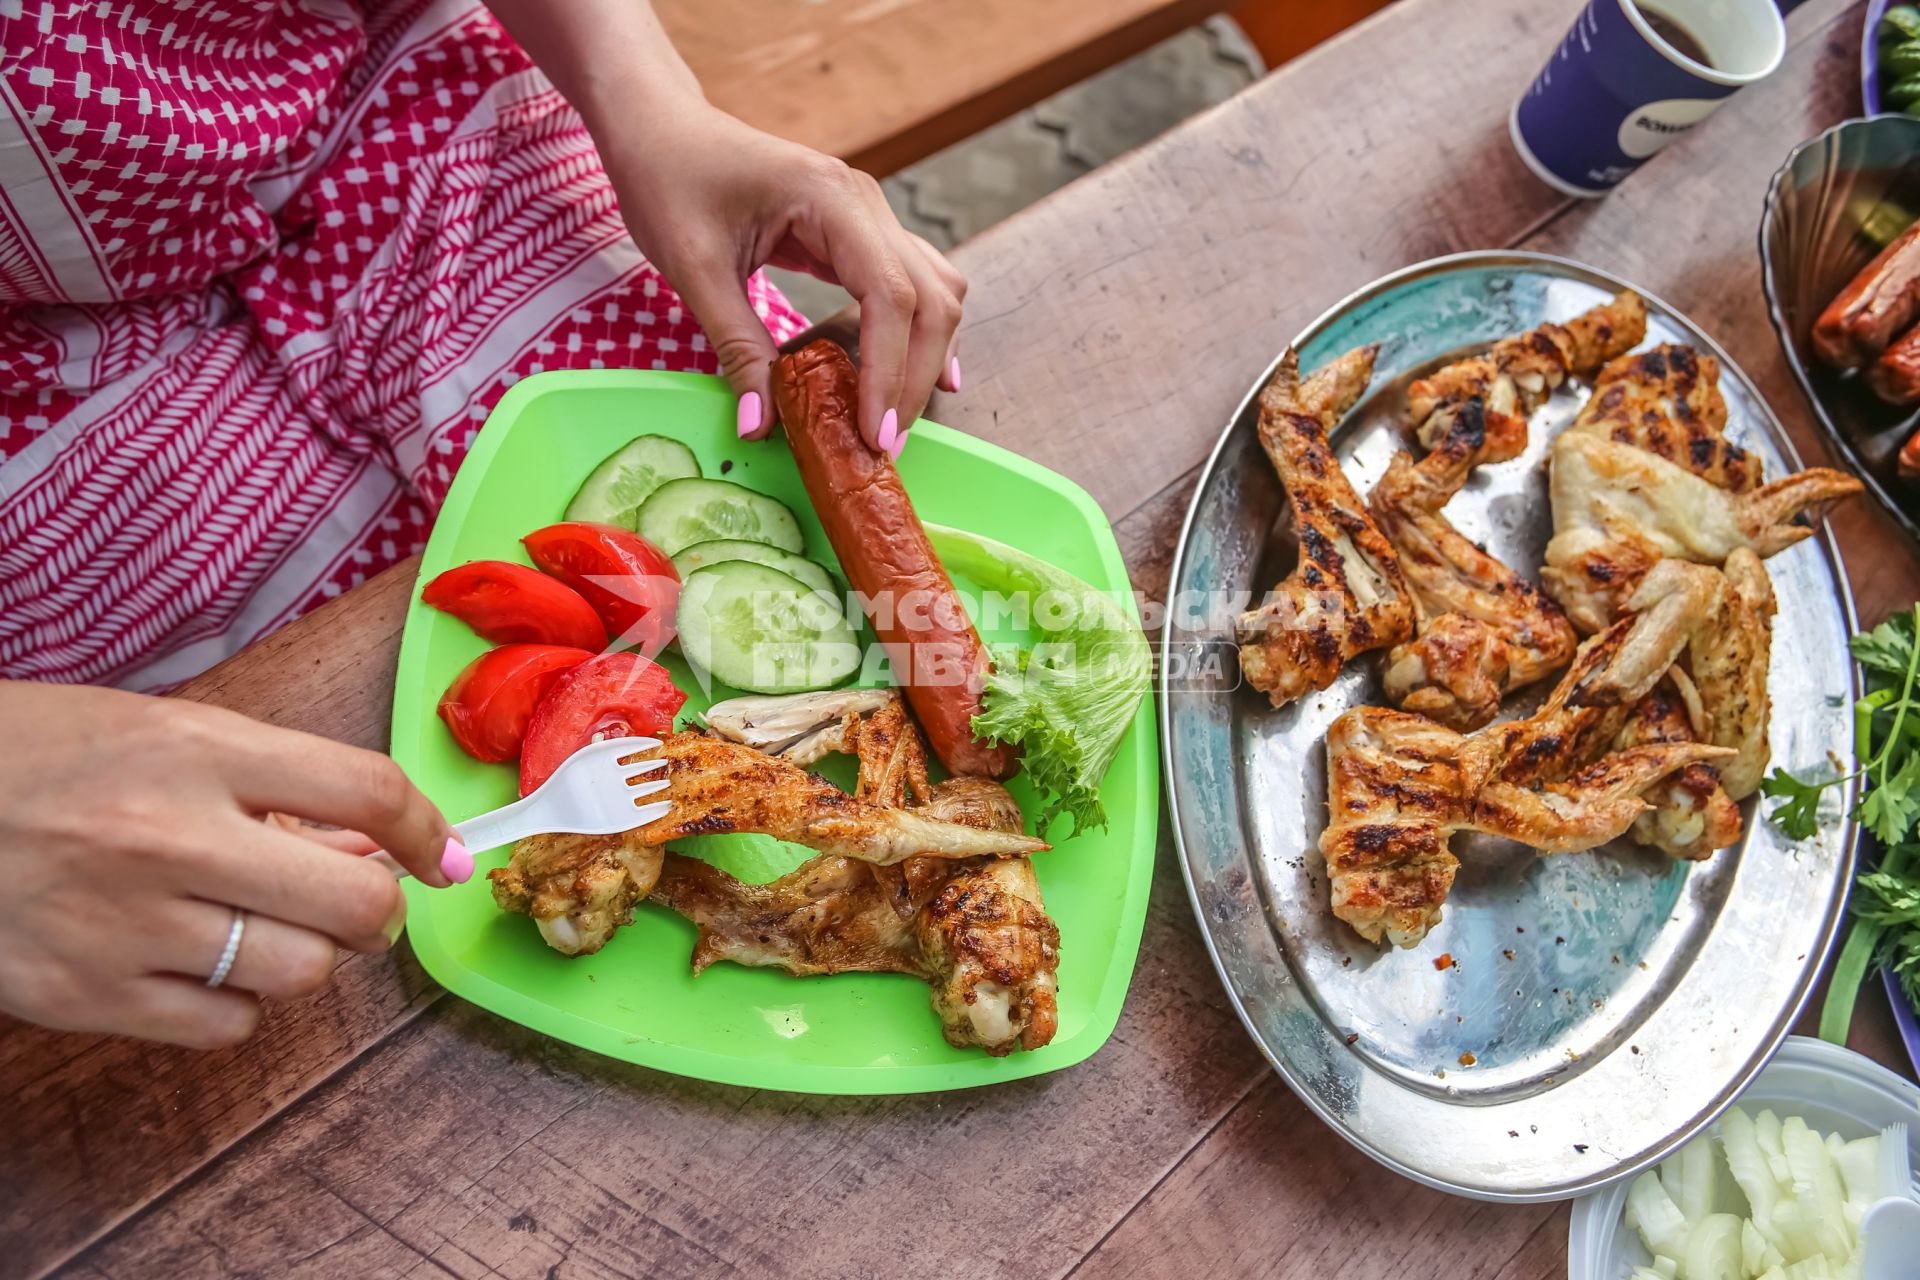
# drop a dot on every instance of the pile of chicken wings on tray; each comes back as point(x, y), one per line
point(1654, 608)
point(927, 880)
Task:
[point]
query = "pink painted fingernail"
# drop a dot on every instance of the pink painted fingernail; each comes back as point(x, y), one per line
point(953, 374)
point(749, 420)
point(456, 863)
point(899, 445)
point(889, 430)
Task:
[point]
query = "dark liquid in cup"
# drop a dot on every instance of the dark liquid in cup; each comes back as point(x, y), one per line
point(1675, 35)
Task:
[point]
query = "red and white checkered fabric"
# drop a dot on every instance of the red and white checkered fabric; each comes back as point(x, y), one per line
point(264, 268)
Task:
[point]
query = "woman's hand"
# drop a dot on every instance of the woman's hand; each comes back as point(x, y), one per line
point(132, 829)
point(711, 200)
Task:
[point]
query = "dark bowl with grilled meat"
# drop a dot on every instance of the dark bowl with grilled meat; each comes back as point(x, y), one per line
point(1837, 202)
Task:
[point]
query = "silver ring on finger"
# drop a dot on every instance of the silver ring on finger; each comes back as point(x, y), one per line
point(229, 952)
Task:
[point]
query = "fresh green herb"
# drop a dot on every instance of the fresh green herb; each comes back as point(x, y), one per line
point(1070, 699)
point(1799, 817)
point(1886, 740)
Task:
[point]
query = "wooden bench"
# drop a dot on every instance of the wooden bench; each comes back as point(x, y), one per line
point(882, 83)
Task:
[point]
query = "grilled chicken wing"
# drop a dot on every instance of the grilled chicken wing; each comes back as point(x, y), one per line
point(1400, 785)
point(1346, 596)
point(1667, 401)
point(1643, 474)
point(1730, 661)
point(719, 787)
point(1690, 814)
point(976, 930)
point(578, 889)
point(1482, 629)
point(1518, 373)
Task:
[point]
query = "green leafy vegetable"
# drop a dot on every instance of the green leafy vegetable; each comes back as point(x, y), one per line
point(1070, 699)
point(1799, 817)
point(1886, 740)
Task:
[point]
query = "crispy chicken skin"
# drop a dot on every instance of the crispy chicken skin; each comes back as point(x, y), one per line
point(719, 787)
point(1689, 814)
point(976, 930)
point(578, 889)
point(1667, 401)
point(1482, 629)
point(1400, 785)
point(1643, 473)
point(1346, 595)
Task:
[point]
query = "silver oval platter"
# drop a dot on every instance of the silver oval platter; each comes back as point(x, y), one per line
point(1571, 1018)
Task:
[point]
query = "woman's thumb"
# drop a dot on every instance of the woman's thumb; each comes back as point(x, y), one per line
point(741, 343)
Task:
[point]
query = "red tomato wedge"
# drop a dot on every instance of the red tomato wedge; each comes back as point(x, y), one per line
point(629, 582)
point(488, 705)
point(513, 604)
point(613, 696)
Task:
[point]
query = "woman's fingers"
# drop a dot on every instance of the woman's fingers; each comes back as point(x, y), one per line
point(340, 838)
point(275, 959)
point(862, 242)
point(183, 1011)
point(936, 316)
point(949, 379)
point(717, 296)
point(354, 901)
point(278, 770)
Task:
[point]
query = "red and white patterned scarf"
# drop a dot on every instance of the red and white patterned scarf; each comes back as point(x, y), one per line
point(264, 268)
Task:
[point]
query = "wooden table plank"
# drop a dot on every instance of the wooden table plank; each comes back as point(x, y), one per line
point(882, 83)
point(465, 1144)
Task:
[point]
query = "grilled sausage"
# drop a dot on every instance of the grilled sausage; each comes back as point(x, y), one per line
point(1880, 302)
point(1895, 376)
point(935, 651)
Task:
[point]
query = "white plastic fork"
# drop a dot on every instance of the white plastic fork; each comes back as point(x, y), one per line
point(591, 793)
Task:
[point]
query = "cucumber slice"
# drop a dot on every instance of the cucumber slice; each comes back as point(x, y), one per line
point(628, 476)
point(721, 550)
point(763, 631)
point(683, 512)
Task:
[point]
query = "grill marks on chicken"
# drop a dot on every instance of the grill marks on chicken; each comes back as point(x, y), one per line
point(1346, 595)
point(1667, 401)
point(976, 930)
point(578, 889)
point(1643, 476)
point(720, 787)
point(1644, 473)
point(1483, 630)
point(1400, 785)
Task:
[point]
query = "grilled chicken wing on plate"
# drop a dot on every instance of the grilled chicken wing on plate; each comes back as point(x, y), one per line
point(579, 889)
point(1346, 595)
point(976, 930)
point(1643, 473)
point(1482, 630)
point(1400, 785)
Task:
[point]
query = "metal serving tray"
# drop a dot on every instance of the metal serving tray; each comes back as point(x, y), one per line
point(1611, 1002)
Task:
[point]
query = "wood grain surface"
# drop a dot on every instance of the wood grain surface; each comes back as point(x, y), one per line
point(882, 83)
point(383, 1128)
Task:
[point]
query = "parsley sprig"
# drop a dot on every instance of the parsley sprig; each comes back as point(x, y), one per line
point(1886, 902)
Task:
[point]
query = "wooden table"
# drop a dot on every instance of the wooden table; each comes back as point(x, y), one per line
point(384, 1128)
point(883, 83)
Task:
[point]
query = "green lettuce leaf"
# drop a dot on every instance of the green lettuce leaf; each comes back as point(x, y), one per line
point(1069, 700)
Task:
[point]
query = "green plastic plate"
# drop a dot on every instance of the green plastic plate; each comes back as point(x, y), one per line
point(637, 999)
